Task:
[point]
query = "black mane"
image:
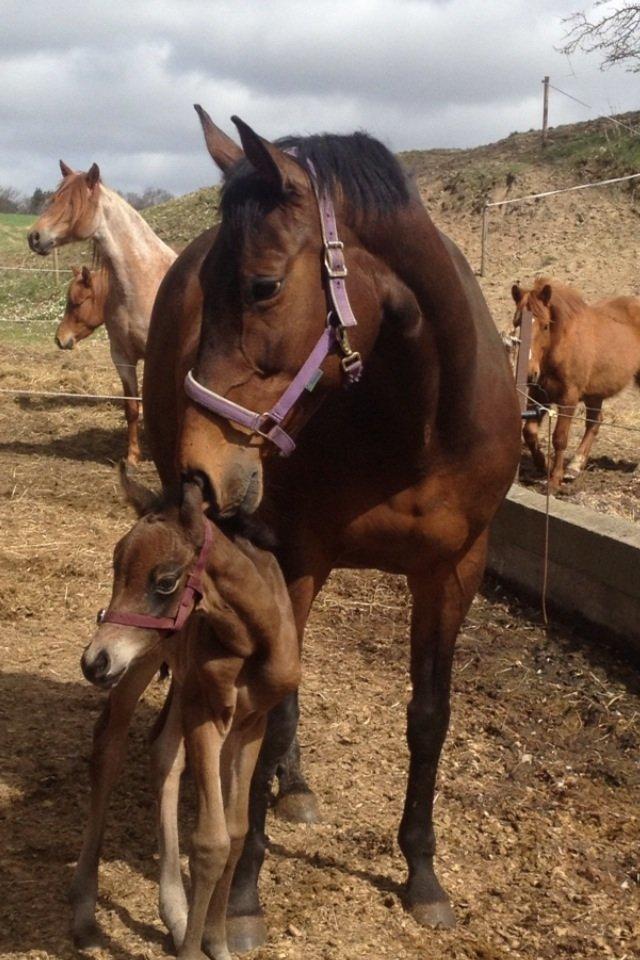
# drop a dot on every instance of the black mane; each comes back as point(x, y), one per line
point(370, 177)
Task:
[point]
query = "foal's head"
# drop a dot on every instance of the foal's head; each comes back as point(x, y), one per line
point(83, 313)
point(538, 302)
point(71, 213)
point(265, 302)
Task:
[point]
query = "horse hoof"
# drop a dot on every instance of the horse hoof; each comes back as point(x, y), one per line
point(571, 474)
point(87, 936)
point(245, 933)
point(439, 914)
point(298, 808)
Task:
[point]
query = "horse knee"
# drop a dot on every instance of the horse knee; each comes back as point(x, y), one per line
point(427, 725)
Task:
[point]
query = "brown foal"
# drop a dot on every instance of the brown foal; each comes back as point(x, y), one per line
point(579, 351)
point(84, 312)
point(236, 657)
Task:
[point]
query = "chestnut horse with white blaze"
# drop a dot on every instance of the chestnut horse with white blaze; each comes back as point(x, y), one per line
point(399, 412)
point(579, 352)
point(134, 257)
point(84, 310)
point(235, 657)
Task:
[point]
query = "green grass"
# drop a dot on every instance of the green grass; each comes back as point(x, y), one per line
point(17, 219)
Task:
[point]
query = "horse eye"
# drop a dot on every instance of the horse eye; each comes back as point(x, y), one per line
point(167, 585)
point(264, 288)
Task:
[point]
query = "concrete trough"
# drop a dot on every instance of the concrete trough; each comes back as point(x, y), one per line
point(594, 560)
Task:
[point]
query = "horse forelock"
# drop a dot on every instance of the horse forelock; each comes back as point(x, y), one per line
point(70, 201)
point(360, 168)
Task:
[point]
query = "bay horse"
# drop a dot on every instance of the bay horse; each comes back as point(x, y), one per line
point(84, 310)
point(133, 256)
point(233, 650)
point(403, 471)
point(579, 352)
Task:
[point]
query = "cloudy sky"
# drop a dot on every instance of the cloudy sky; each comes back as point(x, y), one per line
point(114, 80)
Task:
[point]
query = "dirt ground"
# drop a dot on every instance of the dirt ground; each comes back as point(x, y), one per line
point(537, 809)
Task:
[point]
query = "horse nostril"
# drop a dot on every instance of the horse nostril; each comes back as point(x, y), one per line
point(98, 669)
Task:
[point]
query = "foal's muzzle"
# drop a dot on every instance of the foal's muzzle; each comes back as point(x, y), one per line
point(96, 671)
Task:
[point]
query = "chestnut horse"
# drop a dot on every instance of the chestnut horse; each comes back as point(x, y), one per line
point(134, 258)
point(403, 471)
point(579, 351)
point(235, 658)
point(84, 311)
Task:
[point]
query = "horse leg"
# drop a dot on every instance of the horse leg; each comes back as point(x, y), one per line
point(239, 758)
point(168, 763)
point(109, 747)
point(560, 441)
point(295, 802)
point(531, 436)
point(128, 374)
point(245, 921)
point(593, 407)
point(210, 844)
point(441, 598)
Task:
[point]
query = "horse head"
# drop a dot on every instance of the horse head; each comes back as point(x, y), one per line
point(265, 300)
point(538, 302)
point(83, 313)
point(71, 213)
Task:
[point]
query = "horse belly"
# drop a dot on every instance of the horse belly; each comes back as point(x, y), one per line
point(616, 361)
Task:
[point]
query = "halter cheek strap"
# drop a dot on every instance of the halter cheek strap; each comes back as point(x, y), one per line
point(334, 338)
point(191, 593)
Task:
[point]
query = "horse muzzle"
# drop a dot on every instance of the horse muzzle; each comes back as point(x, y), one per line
point(40, 242)
point(67, 344)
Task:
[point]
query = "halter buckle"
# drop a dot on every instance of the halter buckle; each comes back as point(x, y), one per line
point(350, 363)
point(338, 270)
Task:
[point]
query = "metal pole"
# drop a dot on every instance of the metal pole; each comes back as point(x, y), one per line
point(485, 236)
point(545, 110)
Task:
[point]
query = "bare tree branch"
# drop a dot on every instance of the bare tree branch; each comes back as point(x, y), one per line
point(614, 34)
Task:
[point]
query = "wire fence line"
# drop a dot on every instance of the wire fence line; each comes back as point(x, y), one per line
point(69, 396)
point(488, 205)
point(549, 409)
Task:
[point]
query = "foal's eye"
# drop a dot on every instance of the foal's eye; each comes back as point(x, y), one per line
point(167, 585)
point(264, 288)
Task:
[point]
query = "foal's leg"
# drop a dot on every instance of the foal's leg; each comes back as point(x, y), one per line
point(593, 415)
point(210, 841)
point(441, 598)
point(109, 747)
point(560, 440)
point(239, 757)
point(168, 762)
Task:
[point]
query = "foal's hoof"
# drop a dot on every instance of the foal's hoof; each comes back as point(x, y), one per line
point(439, 914)
point(299, 807)
point(245, 933)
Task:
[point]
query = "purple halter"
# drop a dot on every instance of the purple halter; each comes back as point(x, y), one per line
point(334, 338)
point(191, 592)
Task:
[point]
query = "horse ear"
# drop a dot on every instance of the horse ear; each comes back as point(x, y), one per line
point(545, 294)
point(224, 151)
point(86, 277)
point(141, 498)
point(516, 293)
point(76, 271)
point(65, 169)
point(273, 164)
point(192, 510)
point(93, 176)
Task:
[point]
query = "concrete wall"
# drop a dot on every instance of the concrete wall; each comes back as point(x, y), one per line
point(594, 560)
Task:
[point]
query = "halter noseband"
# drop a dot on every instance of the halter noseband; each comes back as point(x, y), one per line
point(190, 594)
point(334, 337)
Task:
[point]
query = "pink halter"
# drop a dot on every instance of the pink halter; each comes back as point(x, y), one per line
point(333, 338)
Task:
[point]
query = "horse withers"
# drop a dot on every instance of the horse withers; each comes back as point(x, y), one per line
point(84, 310)
point(134, 259)
point(579, 352)
point(401, 469)
point(218, 608)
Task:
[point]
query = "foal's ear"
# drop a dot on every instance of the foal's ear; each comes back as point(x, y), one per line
point(93, 176)
point(276, 166)
point(224, 151)
point(141, 498)
point(545, 294)
point(65, 169)
point(516, 293)
point(192, 510)
point(86, 277)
